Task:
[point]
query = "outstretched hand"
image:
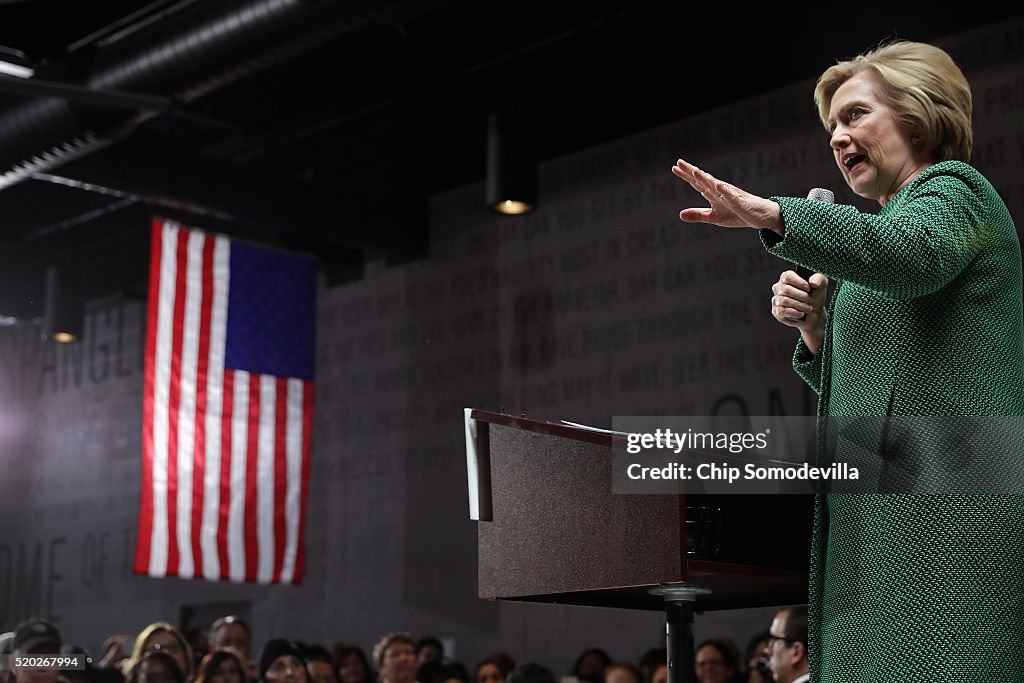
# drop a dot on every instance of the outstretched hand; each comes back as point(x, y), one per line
point(728, 205)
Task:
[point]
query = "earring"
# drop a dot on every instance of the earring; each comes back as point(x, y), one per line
point(915, 140)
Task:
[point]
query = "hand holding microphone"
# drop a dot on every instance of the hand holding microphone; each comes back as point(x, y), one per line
point(799, 296)
point(816, 194)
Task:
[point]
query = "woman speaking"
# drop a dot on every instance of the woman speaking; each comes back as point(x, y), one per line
point(924, 318)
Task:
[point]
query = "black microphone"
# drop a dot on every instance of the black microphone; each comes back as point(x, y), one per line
point(817, 194)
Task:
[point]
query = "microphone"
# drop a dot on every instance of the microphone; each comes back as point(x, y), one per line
point(821, 194)
point(817, 194)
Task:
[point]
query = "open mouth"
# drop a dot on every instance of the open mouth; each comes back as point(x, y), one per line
point(851, 161)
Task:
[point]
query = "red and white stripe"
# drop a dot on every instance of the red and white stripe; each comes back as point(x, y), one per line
point(225, 452)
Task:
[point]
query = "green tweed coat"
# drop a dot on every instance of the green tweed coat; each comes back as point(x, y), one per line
point(925, 319)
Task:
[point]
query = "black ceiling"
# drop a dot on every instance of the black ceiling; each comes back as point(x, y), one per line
point(325, 125)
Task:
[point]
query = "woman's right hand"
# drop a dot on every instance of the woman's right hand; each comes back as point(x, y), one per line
point(800, 303)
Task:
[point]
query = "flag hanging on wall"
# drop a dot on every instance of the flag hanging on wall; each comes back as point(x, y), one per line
point(227, 409)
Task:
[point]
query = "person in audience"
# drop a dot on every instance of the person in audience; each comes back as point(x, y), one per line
point(660, 674)
point(221, 665)
point(787, 645)
point(115, 650)
point(757, 665)
point(198, 640)
point(35, 637)
point(5, 649)
point(493, 669)
point(89, 671)
point(156, 666)
point(621, 672)
point(651, 660)
point(319, 664)
point(716, 661)
point(353, 665)
point(231, 631)
point(395, 656)
point(234, 632)
point(281, 662)
point(429, 649)
point(589, 666)
point(453, 672)
point(161, 636)
point(531, 672)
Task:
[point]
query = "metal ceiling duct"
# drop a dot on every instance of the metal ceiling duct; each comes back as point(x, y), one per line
point(183, 56)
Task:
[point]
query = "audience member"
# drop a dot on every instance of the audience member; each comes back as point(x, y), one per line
point(453, 672)
point(787, 645)
point(353, 665)
point(660, 674)
point(231, 631)
point(757, 665)
point(429, 649)
point(5, 649)
point(589, 666)
point(221, 665)
point(89, 672)
point(319, 664)
point(531, 672)
point(281, 662)
point(163, 637)
point(197, 640)
point(651, 660)
point(156, 666)
point(116, 649)
point(493, 669)
point(395, 657)
point(35, 637)
point(717, 661)
point(621, 672)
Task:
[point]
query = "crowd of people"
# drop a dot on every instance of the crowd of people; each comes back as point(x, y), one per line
point(224, 653)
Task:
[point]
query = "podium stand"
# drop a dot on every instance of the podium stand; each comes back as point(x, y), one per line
point(550, 530)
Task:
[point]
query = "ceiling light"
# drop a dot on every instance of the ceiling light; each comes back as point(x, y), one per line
point(511, 172)
point(64, 308)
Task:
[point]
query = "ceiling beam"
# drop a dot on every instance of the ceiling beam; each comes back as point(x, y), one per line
point(161, 176)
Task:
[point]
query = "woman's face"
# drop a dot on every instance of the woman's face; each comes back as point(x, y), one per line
point(489, 673)
point(592, 665)
point(153, 670)
point(711, 666)
point(286, 669)
point(164, 641)
point(619, 675)
point(352, 669)
point(876, 157)
point(225, 671)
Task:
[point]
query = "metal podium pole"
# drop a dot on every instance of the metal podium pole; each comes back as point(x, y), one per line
point(679, 630)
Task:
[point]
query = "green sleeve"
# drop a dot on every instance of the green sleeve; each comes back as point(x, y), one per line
point(916, 245)
point(807, 365)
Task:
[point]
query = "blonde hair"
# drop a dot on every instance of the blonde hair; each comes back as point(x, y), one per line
point(924, 87)
point(140, 646)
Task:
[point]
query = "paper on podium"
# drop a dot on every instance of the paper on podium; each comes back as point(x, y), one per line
point(478, 468)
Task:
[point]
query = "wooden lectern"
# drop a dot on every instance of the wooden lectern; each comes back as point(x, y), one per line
point(551, 530)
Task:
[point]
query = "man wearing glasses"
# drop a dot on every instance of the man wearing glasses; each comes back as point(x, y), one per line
point(786, 650)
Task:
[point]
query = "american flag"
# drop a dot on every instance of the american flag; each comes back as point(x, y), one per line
point(227, 410)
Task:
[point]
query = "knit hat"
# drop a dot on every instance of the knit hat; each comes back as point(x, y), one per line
point(278, 647)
